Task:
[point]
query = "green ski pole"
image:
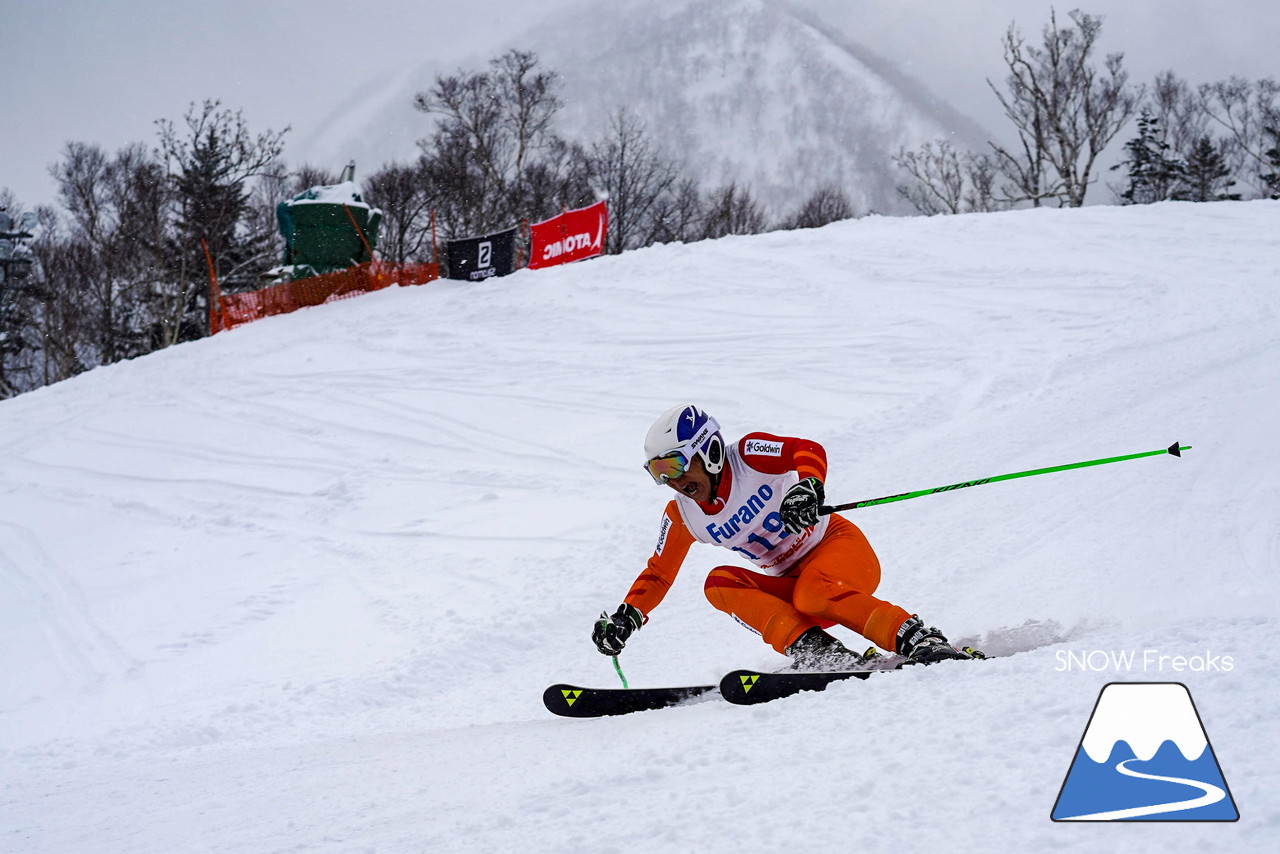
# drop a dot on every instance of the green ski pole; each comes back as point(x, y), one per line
point(1174, 449)
point(604, 620)
point(618, 667)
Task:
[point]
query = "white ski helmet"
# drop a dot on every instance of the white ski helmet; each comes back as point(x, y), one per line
point(676, 436)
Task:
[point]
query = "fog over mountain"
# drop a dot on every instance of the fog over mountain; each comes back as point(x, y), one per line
point(758, 93)
point(103, 73)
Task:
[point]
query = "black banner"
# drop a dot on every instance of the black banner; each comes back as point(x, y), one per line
point(477, 258)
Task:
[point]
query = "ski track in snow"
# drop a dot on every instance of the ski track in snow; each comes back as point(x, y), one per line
point(299, 587)
point(1210, 794)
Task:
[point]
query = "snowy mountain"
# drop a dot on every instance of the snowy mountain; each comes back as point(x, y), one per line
point(1145, 718)
point(300, 586)
point(736, 90)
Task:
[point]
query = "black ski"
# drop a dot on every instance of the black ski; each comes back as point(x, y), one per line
point(570, 701)
point(748, 687)
point(744, 687)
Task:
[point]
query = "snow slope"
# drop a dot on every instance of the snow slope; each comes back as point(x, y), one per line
point(299, 587)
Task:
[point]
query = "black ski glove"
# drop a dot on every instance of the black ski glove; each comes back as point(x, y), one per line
point(800, 505)
point(611, 633)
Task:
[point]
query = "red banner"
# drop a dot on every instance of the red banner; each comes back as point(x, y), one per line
point(571, 236)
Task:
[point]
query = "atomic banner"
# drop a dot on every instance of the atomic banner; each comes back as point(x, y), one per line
point(571, 236)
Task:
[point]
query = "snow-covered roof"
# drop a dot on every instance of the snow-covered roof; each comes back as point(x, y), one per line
point(345, 193)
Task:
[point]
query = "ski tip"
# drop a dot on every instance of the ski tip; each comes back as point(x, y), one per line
point(1177, 449)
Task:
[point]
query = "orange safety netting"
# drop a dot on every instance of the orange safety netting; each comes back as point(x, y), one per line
point(234, 310)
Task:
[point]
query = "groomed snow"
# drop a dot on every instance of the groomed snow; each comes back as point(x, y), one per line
point(299, 587)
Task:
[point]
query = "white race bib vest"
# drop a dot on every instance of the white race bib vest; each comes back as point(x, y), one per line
point(750, 524)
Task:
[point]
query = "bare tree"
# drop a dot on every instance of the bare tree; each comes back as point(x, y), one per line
point(634, 177)
point(119, 273)
point(465, 204)
point(1065, 110)
point(825, 205)
point(273, 185)
point(145, 205)
point(405, 195)
point(678, 214)
point(1245, 110)
point(981, 172)
point(559, 179)
point(939, 178)
point(948, 181)
point(1180, 111)
point(731, 209)
point(61, 323)
point(92, 259)
point(309, 175)
point(494, 126)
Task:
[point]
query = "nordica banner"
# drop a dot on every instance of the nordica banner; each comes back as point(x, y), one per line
point(478, 258)
point(571, 236)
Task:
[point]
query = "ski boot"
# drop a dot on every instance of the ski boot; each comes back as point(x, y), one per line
point(923, 645)
point(815, 650)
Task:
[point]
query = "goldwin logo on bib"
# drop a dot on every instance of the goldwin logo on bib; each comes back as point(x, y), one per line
point(763, 449)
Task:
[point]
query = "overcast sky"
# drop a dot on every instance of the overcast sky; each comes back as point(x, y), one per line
point(104, 72)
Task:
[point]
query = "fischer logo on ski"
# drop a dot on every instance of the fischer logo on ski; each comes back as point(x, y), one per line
point(572, 701)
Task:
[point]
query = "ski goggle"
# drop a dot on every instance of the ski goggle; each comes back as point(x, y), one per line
point(667, 467)
point(674, 463)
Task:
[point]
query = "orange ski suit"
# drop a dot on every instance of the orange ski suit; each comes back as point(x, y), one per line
point(831, 584)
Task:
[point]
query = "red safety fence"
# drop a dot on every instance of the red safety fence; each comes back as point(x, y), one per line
point(570, 236)
point(234, 310)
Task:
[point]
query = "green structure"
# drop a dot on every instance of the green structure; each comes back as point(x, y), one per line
point(326, 229)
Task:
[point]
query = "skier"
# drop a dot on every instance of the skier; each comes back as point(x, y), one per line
point(760, 498)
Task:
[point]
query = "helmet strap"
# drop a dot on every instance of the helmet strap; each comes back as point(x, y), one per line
point(715, 484)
